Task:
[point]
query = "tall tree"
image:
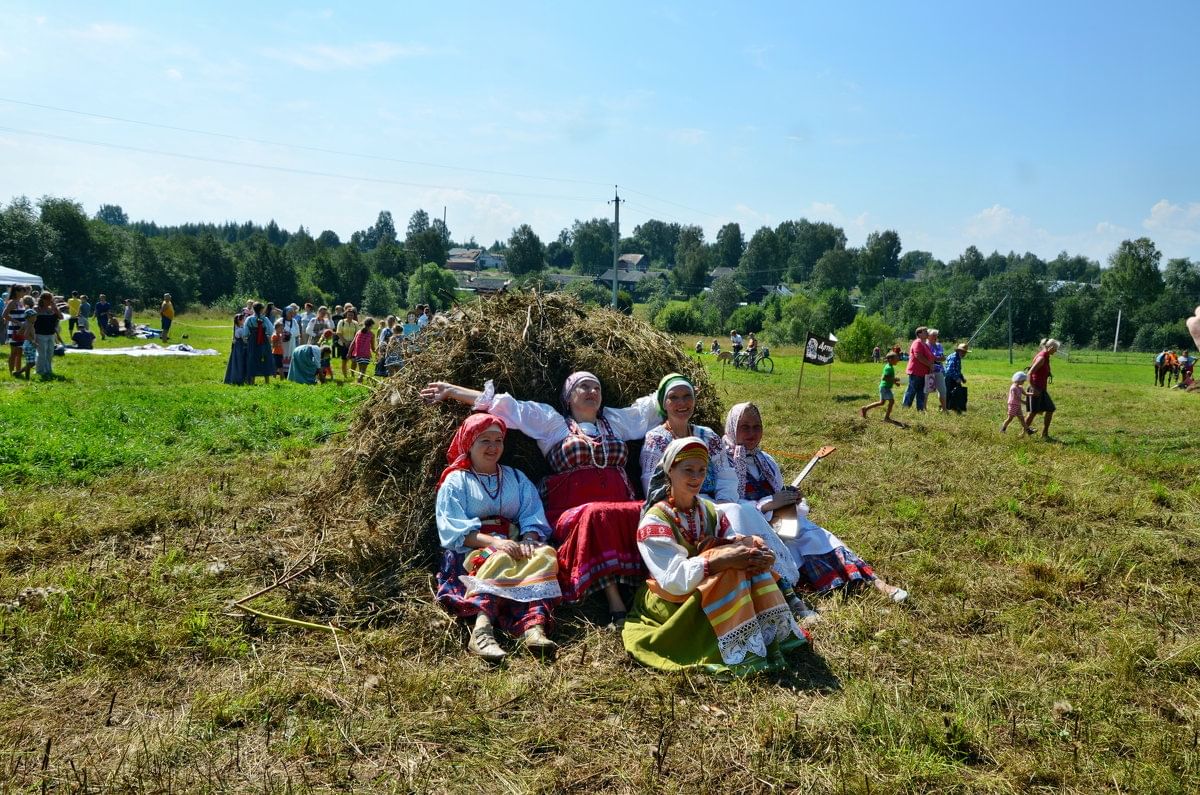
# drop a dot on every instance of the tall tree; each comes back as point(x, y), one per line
point(525, 251)
point(801, 243)
point(761, 263)
point(418, 222)
point(969, 263)
point(692, 267)
point(112, 214)
point(725, 296)
point(70, 264)
point(879, 259)
point(731, 244)
point(329, 239)
point(837, 269)
point(658, 240)
point(25, 242)
point(427, 246)
point(351, 271)
point(1132, 278)
point(591, 244)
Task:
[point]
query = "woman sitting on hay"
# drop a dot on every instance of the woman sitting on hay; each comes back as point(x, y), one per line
point(497, 566)
point(711, 601)
point(824, 563)
point(590, 502)
point(676, 398)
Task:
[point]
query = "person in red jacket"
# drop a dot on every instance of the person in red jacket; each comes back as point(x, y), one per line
point(920, 364)
point(1039, 380)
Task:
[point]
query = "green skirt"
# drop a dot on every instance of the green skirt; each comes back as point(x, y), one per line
point(676, 637)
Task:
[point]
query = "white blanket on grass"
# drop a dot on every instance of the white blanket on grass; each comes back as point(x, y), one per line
point(148, 350)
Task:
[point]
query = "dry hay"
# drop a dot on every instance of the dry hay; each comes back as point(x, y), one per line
point(377, 507)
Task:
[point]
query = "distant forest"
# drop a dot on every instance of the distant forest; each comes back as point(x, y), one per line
point(800, 275)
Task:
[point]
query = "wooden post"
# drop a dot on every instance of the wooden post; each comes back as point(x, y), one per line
point(829, 385)
point(801, 381)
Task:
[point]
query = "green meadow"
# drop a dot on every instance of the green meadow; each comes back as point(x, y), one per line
point(1051, 641)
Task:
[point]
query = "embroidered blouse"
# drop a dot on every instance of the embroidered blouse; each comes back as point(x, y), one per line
point(675, 568)
point(550, 428)
point(720, 483)
point(463, 502)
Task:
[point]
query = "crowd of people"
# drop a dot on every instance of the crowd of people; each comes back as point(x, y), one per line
point(301, 344)
point(715, 587)
point(931, 372)
point(1174, 369)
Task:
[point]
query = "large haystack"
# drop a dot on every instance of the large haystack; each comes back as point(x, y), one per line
point(376, 508)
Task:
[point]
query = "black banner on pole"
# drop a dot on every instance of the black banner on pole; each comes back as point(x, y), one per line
point(818, 350)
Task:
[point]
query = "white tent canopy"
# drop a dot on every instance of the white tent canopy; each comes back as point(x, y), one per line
point(8, 276)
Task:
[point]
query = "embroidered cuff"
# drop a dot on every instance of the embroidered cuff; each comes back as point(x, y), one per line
point(707, 568)
point(484, 401)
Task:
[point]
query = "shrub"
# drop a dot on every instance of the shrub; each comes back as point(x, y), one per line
point(679, 319)
point(857, 340)
point(747, 319)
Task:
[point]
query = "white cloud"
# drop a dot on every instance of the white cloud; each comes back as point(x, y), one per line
point(854, 226)
point(174, 74)
point(997, 222)
point(1175, 220)
point(325, 57)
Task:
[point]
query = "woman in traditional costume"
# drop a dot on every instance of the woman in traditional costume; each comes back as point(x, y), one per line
point(824, 562)
point(239, 356)
point(306, 364)
point(712, 601)
point(260, 361)
point(676, 398)
point(589, 500)
point(497, 566)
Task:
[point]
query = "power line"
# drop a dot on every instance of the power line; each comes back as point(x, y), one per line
point(290, 170)
point(677, 204)
point(323, 150)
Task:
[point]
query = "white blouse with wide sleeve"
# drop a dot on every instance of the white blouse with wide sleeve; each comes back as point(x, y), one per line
point(462, 504)
point(667, 560)
point(548, 427)
point(720, 482)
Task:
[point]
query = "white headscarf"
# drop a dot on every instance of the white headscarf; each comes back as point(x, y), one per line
point(738, 454)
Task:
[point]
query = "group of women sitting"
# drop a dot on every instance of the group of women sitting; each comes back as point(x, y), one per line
point(717, 587)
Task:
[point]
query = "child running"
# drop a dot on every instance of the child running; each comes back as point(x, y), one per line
point(1016, 403)
point(886, 382)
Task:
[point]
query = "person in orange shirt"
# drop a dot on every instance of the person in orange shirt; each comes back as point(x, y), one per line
point(277, 347)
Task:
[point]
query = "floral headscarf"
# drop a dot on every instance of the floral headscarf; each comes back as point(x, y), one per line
point(740, 454)
point(684, 449)
point(459, 455)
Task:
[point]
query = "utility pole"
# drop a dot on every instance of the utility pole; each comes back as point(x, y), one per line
point(1117, 335)
point(1010, 352)
point(616, 203)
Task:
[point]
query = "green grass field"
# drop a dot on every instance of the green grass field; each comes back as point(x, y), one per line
point(1052, 640)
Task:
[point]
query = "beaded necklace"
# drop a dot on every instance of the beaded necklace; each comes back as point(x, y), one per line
point(689, 523)
point(483, 479)
point(592, 446)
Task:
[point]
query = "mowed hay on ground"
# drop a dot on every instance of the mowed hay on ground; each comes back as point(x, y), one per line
point(377, 507)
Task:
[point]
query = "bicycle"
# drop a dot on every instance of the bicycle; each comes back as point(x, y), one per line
point(762, 363)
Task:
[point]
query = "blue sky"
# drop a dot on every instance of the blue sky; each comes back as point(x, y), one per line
point(1026, 126)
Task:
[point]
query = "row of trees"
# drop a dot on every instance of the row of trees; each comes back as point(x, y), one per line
point(205, 263)
point(1071, 297)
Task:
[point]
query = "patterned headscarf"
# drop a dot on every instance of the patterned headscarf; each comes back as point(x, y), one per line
point(767, 467)
point(574, 380)
point(685, 449)
point(669, 381)
point(458, 456)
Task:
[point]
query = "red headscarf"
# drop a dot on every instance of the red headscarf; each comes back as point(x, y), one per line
point(459, 455)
